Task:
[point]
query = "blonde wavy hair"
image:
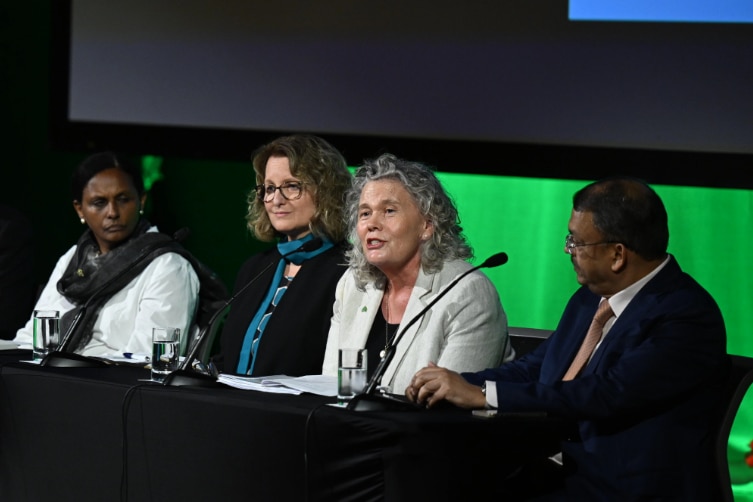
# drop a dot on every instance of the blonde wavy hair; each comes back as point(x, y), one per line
point(324, 174)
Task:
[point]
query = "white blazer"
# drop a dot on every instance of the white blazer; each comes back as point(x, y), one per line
point(465, 331)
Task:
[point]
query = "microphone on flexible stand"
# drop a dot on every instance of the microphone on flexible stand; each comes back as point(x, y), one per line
point(62, 358)
point(368, 400)
point(185, 375)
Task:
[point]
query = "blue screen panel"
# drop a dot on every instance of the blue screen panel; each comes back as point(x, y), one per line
point(689, 11)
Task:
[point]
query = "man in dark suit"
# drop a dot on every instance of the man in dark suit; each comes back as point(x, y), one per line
point(646, 400)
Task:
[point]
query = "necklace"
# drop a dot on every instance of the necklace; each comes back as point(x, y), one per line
point(387, 338)
point(386, 326)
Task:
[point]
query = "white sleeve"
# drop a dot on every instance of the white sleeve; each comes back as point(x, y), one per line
point(168, 297)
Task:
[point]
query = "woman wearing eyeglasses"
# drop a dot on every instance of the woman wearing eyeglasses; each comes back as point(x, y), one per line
point(278, 323)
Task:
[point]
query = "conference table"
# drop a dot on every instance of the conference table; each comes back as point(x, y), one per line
point(107, 434)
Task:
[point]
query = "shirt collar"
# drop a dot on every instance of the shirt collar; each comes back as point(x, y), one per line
point(619, 301)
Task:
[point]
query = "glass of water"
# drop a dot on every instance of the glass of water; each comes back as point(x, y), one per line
point(46, 333)
point(351, 373)
point(165, 352)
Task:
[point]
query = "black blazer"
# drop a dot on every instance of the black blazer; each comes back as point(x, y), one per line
point(296, 334)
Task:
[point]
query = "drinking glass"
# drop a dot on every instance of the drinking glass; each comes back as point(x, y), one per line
point(46, 333)
point(165, 352)
point(351, 373)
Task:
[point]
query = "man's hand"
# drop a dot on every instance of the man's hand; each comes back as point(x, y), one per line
point(433, 384)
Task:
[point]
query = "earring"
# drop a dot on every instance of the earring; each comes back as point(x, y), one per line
point(141, 211)
point(83, 221)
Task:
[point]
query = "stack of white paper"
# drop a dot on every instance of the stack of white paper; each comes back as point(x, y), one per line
point(322, 385)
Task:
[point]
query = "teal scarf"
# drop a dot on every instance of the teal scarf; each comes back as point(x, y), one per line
point(248, 355)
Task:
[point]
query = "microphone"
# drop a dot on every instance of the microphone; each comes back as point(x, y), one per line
point(368, 400)
point(62, 358)
point(184, 375)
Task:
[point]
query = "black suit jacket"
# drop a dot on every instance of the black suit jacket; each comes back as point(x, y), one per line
point(646, 403)
point(296, 334)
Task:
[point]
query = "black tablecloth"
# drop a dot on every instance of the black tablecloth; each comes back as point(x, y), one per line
point(101, 434)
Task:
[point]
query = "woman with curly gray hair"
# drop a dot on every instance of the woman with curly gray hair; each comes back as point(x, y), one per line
point(276, 325)
point(408, 245)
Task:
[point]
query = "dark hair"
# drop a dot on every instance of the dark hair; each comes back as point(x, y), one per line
point(447, 241)
point(324, 174)
point(98, 162)
point(628, 211)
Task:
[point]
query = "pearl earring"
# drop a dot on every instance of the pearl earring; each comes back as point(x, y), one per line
point(83, 221)
point(141, 211)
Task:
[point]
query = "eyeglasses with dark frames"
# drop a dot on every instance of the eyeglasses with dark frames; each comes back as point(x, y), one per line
point(290, 190)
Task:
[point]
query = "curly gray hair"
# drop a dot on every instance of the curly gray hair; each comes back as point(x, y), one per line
point(447, 241)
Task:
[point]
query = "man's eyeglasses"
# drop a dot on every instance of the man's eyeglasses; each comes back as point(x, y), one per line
point(570, 244)
point(291, 190)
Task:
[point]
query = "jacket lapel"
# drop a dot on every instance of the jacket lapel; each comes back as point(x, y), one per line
point(366, 313)
point(420, 296)
point(637, 312)
point(573, 338)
